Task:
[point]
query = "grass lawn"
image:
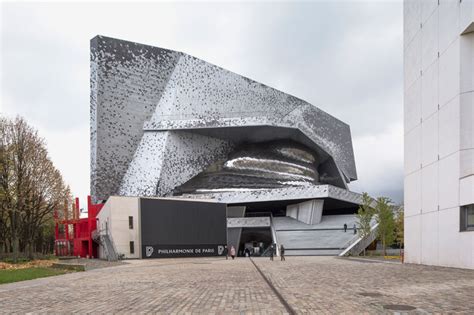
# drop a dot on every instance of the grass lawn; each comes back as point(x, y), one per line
point(15, 275)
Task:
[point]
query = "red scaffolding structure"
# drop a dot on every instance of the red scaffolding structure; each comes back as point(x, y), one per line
point(73, 234)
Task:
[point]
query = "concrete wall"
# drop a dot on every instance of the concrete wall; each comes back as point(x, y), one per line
point(309, 212)
point(248, 222)
point(233, 238)
point(439, 136)
point(114, 215)
point(103, 224)
point(233, 234)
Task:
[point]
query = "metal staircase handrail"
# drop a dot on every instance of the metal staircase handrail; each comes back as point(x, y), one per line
point(102, 236)
point(353, 250)
point(274, 235)
point(95, 235)
point(113, 245)
point(272, 228)
point(351, 241)
point(108, 245)
point(266, 252)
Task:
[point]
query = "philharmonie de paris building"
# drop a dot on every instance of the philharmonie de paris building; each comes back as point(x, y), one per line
point(188, 159)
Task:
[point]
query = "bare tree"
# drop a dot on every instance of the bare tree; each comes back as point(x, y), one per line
point(5, 198)
point(31, 188)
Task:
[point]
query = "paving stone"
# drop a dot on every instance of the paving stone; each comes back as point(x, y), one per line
point(158, 286)
point(333, 285)
point(218, 286)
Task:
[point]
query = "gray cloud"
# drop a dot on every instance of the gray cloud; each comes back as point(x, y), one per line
point(344, 57)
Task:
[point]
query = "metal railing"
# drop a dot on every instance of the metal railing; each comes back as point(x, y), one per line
point(272, 227)
point(361, 243)
point(258, 214)
point(274, 235)
point(107, 242)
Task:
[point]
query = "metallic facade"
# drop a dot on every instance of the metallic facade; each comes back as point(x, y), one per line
point(274, 164)
point(165, 123)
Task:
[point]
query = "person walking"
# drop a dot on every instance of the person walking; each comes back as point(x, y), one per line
point(355, 229)
point(345, 228)
point(226, 252)
point(271, 252)
point(232, 252)
point(282, 252)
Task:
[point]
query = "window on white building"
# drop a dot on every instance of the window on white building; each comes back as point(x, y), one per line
point(467, 218)
point(132, 247)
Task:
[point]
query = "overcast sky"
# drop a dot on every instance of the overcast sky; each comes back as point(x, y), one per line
point(344, 57)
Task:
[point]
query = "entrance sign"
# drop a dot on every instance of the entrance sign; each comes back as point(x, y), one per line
point(164, 251)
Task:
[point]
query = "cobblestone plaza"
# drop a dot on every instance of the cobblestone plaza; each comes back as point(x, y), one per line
point(219, 286)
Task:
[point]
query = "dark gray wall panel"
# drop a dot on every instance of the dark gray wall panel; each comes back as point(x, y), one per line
point(174, 224)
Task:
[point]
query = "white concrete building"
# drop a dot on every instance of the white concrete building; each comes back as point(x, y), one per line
point(119, 218)
point(439, 132)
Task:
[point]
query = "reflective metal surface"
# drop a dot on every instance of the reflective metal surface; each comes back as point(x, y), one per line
point(159, 117)
point(273, 164)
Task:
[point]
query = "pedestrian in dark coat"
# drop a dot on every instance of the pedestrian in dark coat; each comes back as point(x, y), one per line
point(247, 252)
point(282, 252)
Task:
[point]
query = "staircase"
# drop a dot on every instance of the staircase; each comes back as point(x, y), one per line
point(314, 242)
point(274, 237)
point(106, 242)
point(267, 252)
point(324, 239)
point(358, 245)
point(258, 219)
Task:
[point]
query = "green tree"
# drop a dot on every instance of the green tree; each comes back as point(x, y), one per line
point(364, 216)
point(386, 222)
point(400, 228)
